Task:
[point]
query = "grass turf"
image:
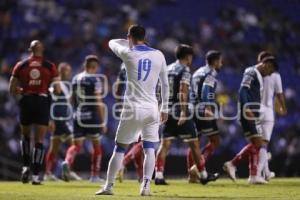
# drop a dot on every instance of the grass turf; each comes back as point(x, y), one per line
point(280, 188)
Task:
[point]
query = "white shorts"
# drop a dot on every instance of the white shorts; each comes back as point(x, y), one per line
point(138, 121)
point(267, 129)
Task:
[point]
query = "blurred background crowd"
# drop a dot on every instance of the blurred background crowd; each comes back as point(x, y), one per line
point(72, 29)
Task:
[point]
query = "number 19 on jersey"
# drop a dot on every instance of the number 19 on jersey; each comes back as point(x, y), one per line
point(144, 68)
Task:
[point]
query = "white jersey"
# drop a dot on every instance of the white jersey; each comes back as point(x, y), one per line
point(144, 67)
point(272, 86)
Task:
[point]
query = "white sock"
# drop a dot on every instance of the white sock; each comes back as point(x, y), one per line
point(115, 164)
point(266, 169)
point(159, 175)
point(203, 174)
point(149, 163)
point(263, 158)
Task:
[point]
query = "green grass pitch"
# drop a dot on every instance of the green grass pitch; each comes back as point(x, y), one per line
point(280, 188)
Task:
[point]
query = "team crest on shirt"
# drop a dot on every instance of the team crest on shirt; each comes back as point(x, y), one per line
point(35, 74)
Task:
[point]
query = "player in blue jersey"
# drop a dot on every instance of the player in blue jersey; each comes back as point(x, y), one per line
point(250, 97)
point(61, 124)
point(180, 122)
point(89, 116)
point(204, 85)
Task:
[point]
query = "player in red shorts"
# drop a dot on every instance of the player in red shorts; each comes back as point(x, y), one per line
point(31, 78)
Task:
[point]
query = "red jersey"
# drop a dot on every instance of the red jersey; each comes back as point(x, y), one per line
point(35, 75)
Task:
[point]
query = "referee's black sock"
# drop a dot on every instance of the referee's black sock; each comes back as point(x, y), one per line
point(25, 150)
point(37, 158)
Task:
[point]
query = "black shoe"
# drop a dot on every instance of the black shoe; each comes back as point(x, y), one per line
point(36, 183)
point(25, 175)
point(65, 171)
point(210, 177)
point(160, 181)
point(36, 180)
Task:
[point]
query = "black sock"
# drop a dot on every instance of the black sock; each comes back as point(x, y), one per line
point(25, 150)
point(37, 158)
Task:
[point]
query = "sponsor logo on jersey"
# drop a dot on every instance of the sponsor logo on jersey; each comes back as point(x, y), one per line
point(35, 74)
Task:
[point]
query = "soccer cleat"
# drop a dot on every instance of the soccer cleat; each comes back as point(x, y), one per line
point(96, 179)
point(256, 180)
point(210, 178)
point(160, 181)
point(106, 190)
point(65, 171)
point(25, 175)
point(230, 169)
point(74, 176)
point(269, 176)
point(36, 180)
point(145, 192)
point(145, 188)
point(50, 177)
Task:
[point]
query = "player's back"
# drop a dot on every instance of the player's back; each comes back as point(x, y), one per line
point(85, 87)
point(203, 75)
point(177, 73)
point(143, 66)
point(253, 80)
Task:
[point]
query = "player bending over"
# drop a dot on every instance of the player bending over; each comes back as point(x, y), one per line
point(31, 78)
point(250, 96)
point(140, 114)
point(204, 84)
point(89, 113)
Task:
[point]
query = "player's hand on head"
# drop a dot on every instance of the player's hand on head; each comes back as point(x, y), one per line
point(163, 117)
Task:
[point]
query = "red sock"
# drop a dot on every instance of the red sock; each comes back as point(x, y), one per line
point(160, 164)
point(191, 162)
point(72, 151)
point(189, 159)
point(208, 150)
point(242, 155)
point(96, 160)
point(50, 159)
point(201, 165)
point(139, 162)
point(132, 153)
point(253, 160)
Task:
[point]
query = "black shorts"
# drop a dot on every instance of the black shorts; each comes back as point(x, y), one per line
point(63, 128)
point(89, 129)
point(34, 109)
point(186, 131)
point(207, 127)
point(251, 128)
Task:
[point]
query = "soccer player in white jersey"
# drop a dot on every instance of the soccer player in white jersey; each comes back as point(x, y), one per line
point(272, 88)
point(140, 114)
